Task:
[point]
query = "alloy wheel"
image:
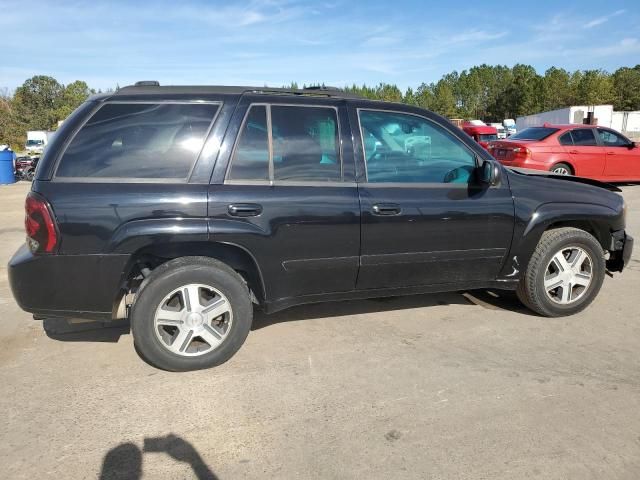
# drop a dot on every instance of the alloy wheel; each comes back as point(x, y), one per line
point(568, 275)
point(193, 320)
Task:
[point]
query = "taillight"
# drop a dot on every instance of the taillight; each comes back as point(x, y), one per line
point(42, 235)
point(522, 152)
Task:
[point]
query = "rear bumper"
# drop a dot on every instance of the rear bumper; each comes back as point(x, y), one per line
point(76, 286)
point(621, 250)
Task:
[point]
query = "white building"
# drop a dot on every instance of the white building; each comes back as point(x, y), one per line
point(626, 122)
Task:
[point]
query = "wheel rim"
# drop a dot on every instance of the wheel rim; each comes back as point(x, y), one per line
point(568, 275)
point(561, 171)
point(193, 320)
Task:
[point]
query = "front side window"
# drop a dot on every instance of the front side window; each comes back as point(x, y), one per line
point(583, 137)
point(612, 139)
point(305, 145)
point(139, 140)
point(410, 149)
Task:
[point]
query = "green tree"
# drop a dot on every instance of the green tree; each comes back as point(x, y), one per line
point(556, 89)
point(626, 88)
point(424, 96)
point(73, 96)
point(37, 100)
point(523, 95)
point(444, 100)
point(595, 87)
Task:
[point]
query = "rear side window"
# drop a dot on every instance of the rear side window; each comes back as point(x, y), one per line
point(583, 137)
point(139, 140)
point(565, 139)
point(534, 133)
point(305, 145)
point(251, 157)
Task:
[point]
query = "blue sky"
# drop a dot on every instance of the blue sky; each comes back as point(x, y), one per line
point(337, 42)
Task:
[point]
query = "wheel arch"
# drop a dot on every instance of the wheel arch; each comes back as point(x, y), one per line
point(593, 218)
point(149, 257)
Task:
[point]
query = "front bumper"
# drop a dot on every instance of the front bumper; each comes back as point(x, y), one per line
point(620, 251)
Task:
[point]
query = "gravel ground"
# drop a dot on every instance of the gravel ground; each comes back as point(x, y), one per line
point(458, 385)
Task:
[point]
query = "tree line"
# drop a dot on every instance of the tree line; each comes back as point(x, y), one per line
point(495, 92)
point(488, 92)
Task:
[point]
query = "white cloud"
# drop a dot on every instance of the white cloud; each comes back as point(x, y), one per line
point(476, 36)
point(605, 18)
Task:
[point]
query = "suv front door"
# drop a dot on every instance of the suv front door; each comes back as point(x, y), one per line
point(426, 220)
point(285, 192)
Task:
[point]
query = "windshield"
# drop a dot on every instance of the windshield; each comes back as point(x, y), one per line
point(31, 143)
point(533, 133)
point(487, 137)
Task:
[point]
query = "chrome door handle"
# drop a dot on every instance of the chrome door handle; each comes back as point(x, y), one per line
point(245, 209)
point(386, 209)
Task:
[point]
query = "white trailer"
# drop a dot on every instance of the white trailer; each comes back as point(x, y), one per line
point(602, 115)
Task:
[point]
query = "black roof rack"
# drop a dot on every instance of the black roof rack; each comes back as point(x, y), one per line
point(153, 87)
point(147, 83)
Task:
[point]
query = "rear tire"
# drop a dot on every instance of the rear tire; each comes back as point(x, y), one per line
point(191, 313)
point(565, 273)
point(561, 169)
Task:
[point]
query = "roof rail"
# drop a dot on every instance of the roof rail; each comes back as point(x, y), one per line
point(314, 91)
point(153, 87)
point(147, 83)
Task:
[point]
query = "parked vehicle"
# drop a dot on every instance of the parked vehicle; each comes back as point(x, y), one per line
point(180, 207)
point(483, 134)
point(37, 140)
point(583, 150)
point(510, 126)
point(26, 167)
point(501, 132)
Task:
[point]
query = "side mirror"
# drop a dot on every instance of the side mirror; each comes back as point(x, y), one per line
point(490, 173)
point(633, 145)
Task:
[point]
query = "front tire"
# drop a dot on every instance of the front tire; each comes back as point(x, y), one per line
point(191, 313)
point(565, 273)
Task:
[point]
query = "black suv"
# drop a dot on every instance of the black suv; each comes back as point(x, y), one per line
point(180, 207)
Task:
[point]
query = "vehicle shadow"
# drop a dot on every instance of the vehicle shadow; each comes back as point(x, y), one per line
point(65, 330)
point(62, 330)
point(124, 462)
point(489, 299)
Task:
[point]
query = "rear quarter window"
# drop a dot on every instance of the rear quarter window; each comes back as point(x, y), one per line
point(138, 140)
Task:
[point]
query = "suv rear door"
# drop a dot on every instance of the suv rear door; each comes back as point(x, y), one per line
point(425, 218)
point(283, 189)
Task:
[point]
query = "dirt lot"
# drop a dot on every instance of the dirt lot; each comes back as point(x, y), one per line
point(432, 386)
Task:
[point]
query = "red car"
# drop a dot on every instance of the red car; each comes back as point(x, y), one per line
point(583, 150)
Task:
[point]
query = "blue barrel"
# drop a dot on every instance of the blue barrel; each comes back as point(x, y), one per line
point(6, 167)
